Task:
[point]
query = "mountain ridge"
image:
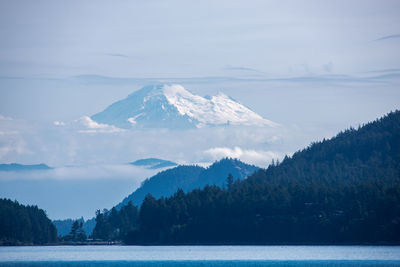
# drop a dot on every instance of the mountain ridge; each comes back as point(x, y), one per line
point(23, 167)
point(187, 178)
point(153, 163)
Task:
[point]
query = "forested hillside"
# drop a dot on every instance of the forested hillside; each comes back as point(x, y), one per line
point(345, 190)
point(187, 178)
point(115, 224)
point(342, 190)
point(22, 225)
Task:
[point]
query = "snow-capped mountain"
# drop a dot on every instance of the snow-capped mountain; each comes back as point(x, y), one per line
point(171, 106)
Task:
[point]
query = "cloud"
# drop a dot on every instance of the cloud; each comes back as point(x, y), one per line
point(94, 127)
point(388, 37)
point(257, 157)
point(86, 172)
point(86, 142)
point(12, 142)
point(14, 146)
point(8, 132)
point(71, 192)
point(4, 150)
point(59, 123)
point(4, 118)
point(328, 67)
point(383, 71)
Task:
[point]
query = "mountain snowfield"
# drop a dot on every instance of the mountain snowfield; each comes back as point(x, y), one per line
point(172, 106)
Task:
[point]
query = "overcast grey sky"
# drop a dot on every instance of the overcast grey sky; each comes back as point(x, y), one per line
point(196, 38)
point(314, 67)
point(45, 44)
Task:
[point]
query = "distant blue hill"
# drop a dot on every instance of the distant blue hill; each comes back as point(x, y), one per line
point(187, 178)
point(22, 167)
point(153, 163)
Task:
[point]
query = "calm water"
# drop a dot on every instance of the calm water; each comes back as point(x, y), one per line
point(201, 256)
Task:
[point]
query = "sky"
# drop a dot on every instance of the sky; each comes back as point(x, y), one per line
point(313, 67)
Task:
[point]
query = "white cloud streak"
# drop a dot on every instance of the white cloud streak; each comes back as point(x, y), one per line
point(59, 123)
point(87, 172)
point(94, 127)
point(257, 157)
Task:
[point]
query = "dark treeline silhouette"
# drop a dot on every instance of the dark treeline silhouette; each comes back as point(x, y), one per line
point(115, 224)
point(77, 233)
point(22, 225)
point(344, 190)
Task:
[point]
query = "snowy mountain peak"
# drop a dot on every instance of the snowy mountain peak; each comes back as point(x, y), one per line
point(172, 106)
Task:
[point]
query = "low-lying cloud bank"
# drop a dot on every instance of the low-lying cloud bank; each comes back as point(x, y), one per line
point(75, 191)
point(103, 149)
point(85, 172)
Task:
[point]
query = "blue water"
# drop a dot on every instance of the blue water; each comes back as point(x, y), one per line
point(200, 256)
point(202, 263)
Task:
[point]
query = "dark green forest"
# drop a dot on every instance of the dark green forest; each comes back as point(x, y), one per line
point(116, 225)
point(24, 225)
point(345, 190)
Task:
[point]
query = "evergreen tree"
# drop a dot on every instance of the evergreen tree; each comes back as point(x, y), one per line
point(21, 225)
point(229, 181)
